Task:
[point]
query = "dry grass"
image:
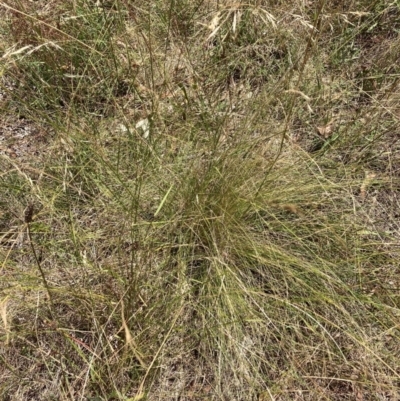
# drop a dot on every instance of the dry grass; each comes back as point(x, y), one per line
point(203, 202)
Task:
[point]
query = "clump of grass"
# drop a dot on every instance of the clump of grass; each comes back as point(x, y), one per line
point(60, 56)
point(222, 229)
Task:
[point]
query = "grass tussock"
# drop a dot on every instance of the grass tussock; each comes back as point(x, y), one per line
point(199, 200)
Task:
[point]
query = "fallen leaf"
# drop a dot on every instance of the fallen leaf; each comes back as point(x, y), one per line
point(144, 127)
point(325, 130)
point(3, 314)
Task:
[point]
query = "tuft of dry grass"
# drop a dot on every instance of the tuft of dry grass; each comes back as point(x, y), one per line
point(199, 200)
